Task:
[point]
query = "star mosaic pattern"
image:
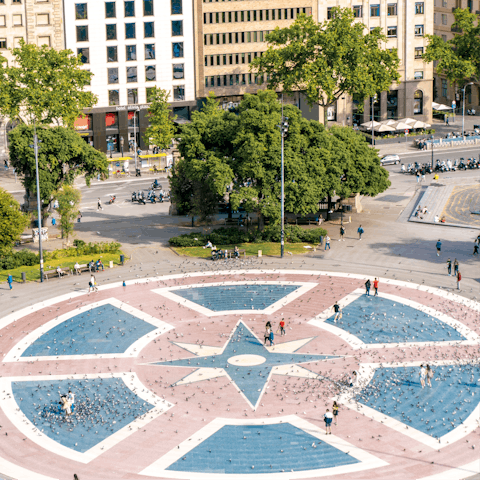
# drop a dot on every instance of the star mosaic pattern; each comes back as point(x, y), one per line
point(250, 379)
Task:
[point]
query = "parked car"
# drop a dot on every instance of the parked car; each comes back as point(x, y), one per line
point(390, 160)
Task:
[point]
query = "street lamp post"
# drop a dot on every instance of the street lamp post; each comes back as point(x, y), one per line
point(463, 109)
point(135, 137)
point(432, 138)
point(39, 210)
point(373, 119)
point(283, 131)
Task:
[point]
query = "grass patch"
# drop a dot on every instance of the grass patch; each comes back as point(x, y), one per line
point(267, 248)
point(33, 272)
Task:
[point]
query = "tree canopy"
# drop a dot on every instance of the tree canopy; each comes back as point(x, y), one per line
point(458, 58)
point(12, 221)
point(62, 156)
point(44, 85)
point(239, 153)
point(68, 206)
point(329, 59)
point(161, 130)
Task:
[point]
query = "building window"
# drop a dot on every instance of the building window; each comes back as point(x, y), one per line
point(444, 3)
point(132, 74)
point(81, 11)
point(182, 112)
point(392, 9)
point(150, 94)
point(110, 12)
point(357, 11)
point(329, 13)
point(129, 8)
point(179, 92)
point(374, 10)
point(149, 29)
point(111, 119)
point(82, 33)
point(177, 7)
point(84, 54)
point(150, 73)
point(131, 52)
point(444, 88)
point(149, 51)
point(418, 74)
point(3, 43)
point(470, 8)
point(419, 30)
point(392, 104)
point(129, 30)
point(391, 31)
point(17, 20)
point(46, 41)
point(444, 18)
point(177, 49)
point(147, 8)
point(419, 8)
point(444, 38)
point(177, 28)
point(113, 97)
point(418, 52)
point(112, 54)
point(111, 32)
point(418, 103)
point(178, 71)
point(3, 21)
point(43, 19)
point(112, 75)
point(132, 97)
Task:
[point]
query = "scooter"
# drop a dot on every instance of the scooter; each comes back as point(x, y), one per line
point(134, 197)
point(155, 185)
point(141, 198)
point(112, 199)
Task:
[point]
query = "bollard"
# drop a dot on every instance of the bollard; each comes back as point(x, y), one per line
point(111, 263)
point(259, 253)
point(24, 277)
point(122, 259)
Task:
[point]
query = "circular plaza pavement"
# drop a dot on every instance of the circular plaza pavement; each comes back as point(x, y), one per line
point(172, 379)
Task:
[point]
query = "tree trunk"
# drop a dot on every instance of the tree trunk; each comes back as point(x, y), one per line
point(329, 206)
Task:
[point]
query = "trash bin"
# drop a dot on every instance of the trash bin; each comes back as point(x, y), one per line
point(54, 221)
point(24, 277)
point(122, 259)
point(111, 263)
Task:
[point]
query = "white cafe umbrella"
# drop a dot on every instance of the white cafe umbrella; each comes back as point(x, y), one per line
point(368, 125)
point(440, 106)
point(384, 128)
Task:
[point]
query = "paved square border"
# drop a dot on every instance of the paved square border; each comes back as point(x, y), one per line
point(15, 354)
point(169, 292)
point(320, 321)
point(13, 412)
point(159, 467)
point(365, 375)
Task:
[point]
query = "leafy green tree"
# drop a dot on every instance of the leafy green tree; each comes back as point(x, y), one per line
point(458, 58)
point(63, 155)
point(44, 85)
point(161, 130)
point(328, 60)
point(242, 151)
point(12, 221)
point(69, 199)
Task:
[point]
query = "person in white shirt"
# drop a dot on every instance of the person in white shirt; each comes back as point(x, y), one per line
point(328, 418)
point(77, 268)
point(71, 400)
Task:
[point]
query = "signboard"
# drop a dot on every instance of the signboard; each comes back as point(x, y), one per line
point(454, 103)
point(406, 132)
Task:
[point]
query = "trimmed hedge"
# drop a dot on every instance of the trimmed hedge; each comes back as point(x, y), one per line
point(27, 258)
point(232, 236)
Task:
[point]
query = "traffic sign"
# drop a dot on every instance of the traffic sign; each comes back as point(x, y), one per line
point(406, 132)
point(454, 103)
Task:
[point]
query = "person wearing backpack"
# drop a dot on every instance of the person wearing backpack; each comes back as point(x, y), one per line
point(360, 231)
point(367, 287)
point(342, 233)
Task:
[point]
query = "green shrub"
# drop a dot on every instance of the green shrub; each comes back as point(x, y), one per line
point(233, 236)
point(78, 243)
point(19, 259)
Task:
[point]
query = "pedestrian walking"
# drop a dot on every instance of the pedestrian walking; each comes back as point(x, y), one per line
point(449, 267)
point(92, 284)
point(99, 204)
point(354, 379)
point(375, 286)
point(266, 335)
point(478, 239)
point(71, 399)
point(79, 218)
point(459, 278)
point(360, 231)
point(10, 281)
point(282, 327)
point(327, 242)
point(418, 176)
point(455, 266)
point(342, 233)
point(367, 287)
point(6, 164)
point(328, 418)
point(335, 412)
point(423, 375)
point(271, 337)
point(423, 175)
point(430, 373)
point(338, 312)
point(475, 249)
point(439, 247)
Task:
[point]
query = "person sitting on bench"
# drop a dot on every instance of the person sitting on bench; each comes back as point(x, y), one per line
point(77, 268)
point(236, 252)
point(59, 271)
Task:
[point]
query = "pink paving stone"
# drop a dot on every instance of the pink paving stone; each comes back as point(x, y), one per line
point(200, 403)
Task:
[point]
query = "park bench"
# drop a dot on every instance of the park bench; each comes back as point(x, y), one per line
point(81, 268)
point(53, 273)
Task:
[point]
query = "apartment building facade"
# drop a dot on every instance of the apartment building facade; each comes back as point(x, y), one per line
point(131, 46)
point(444, 19)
